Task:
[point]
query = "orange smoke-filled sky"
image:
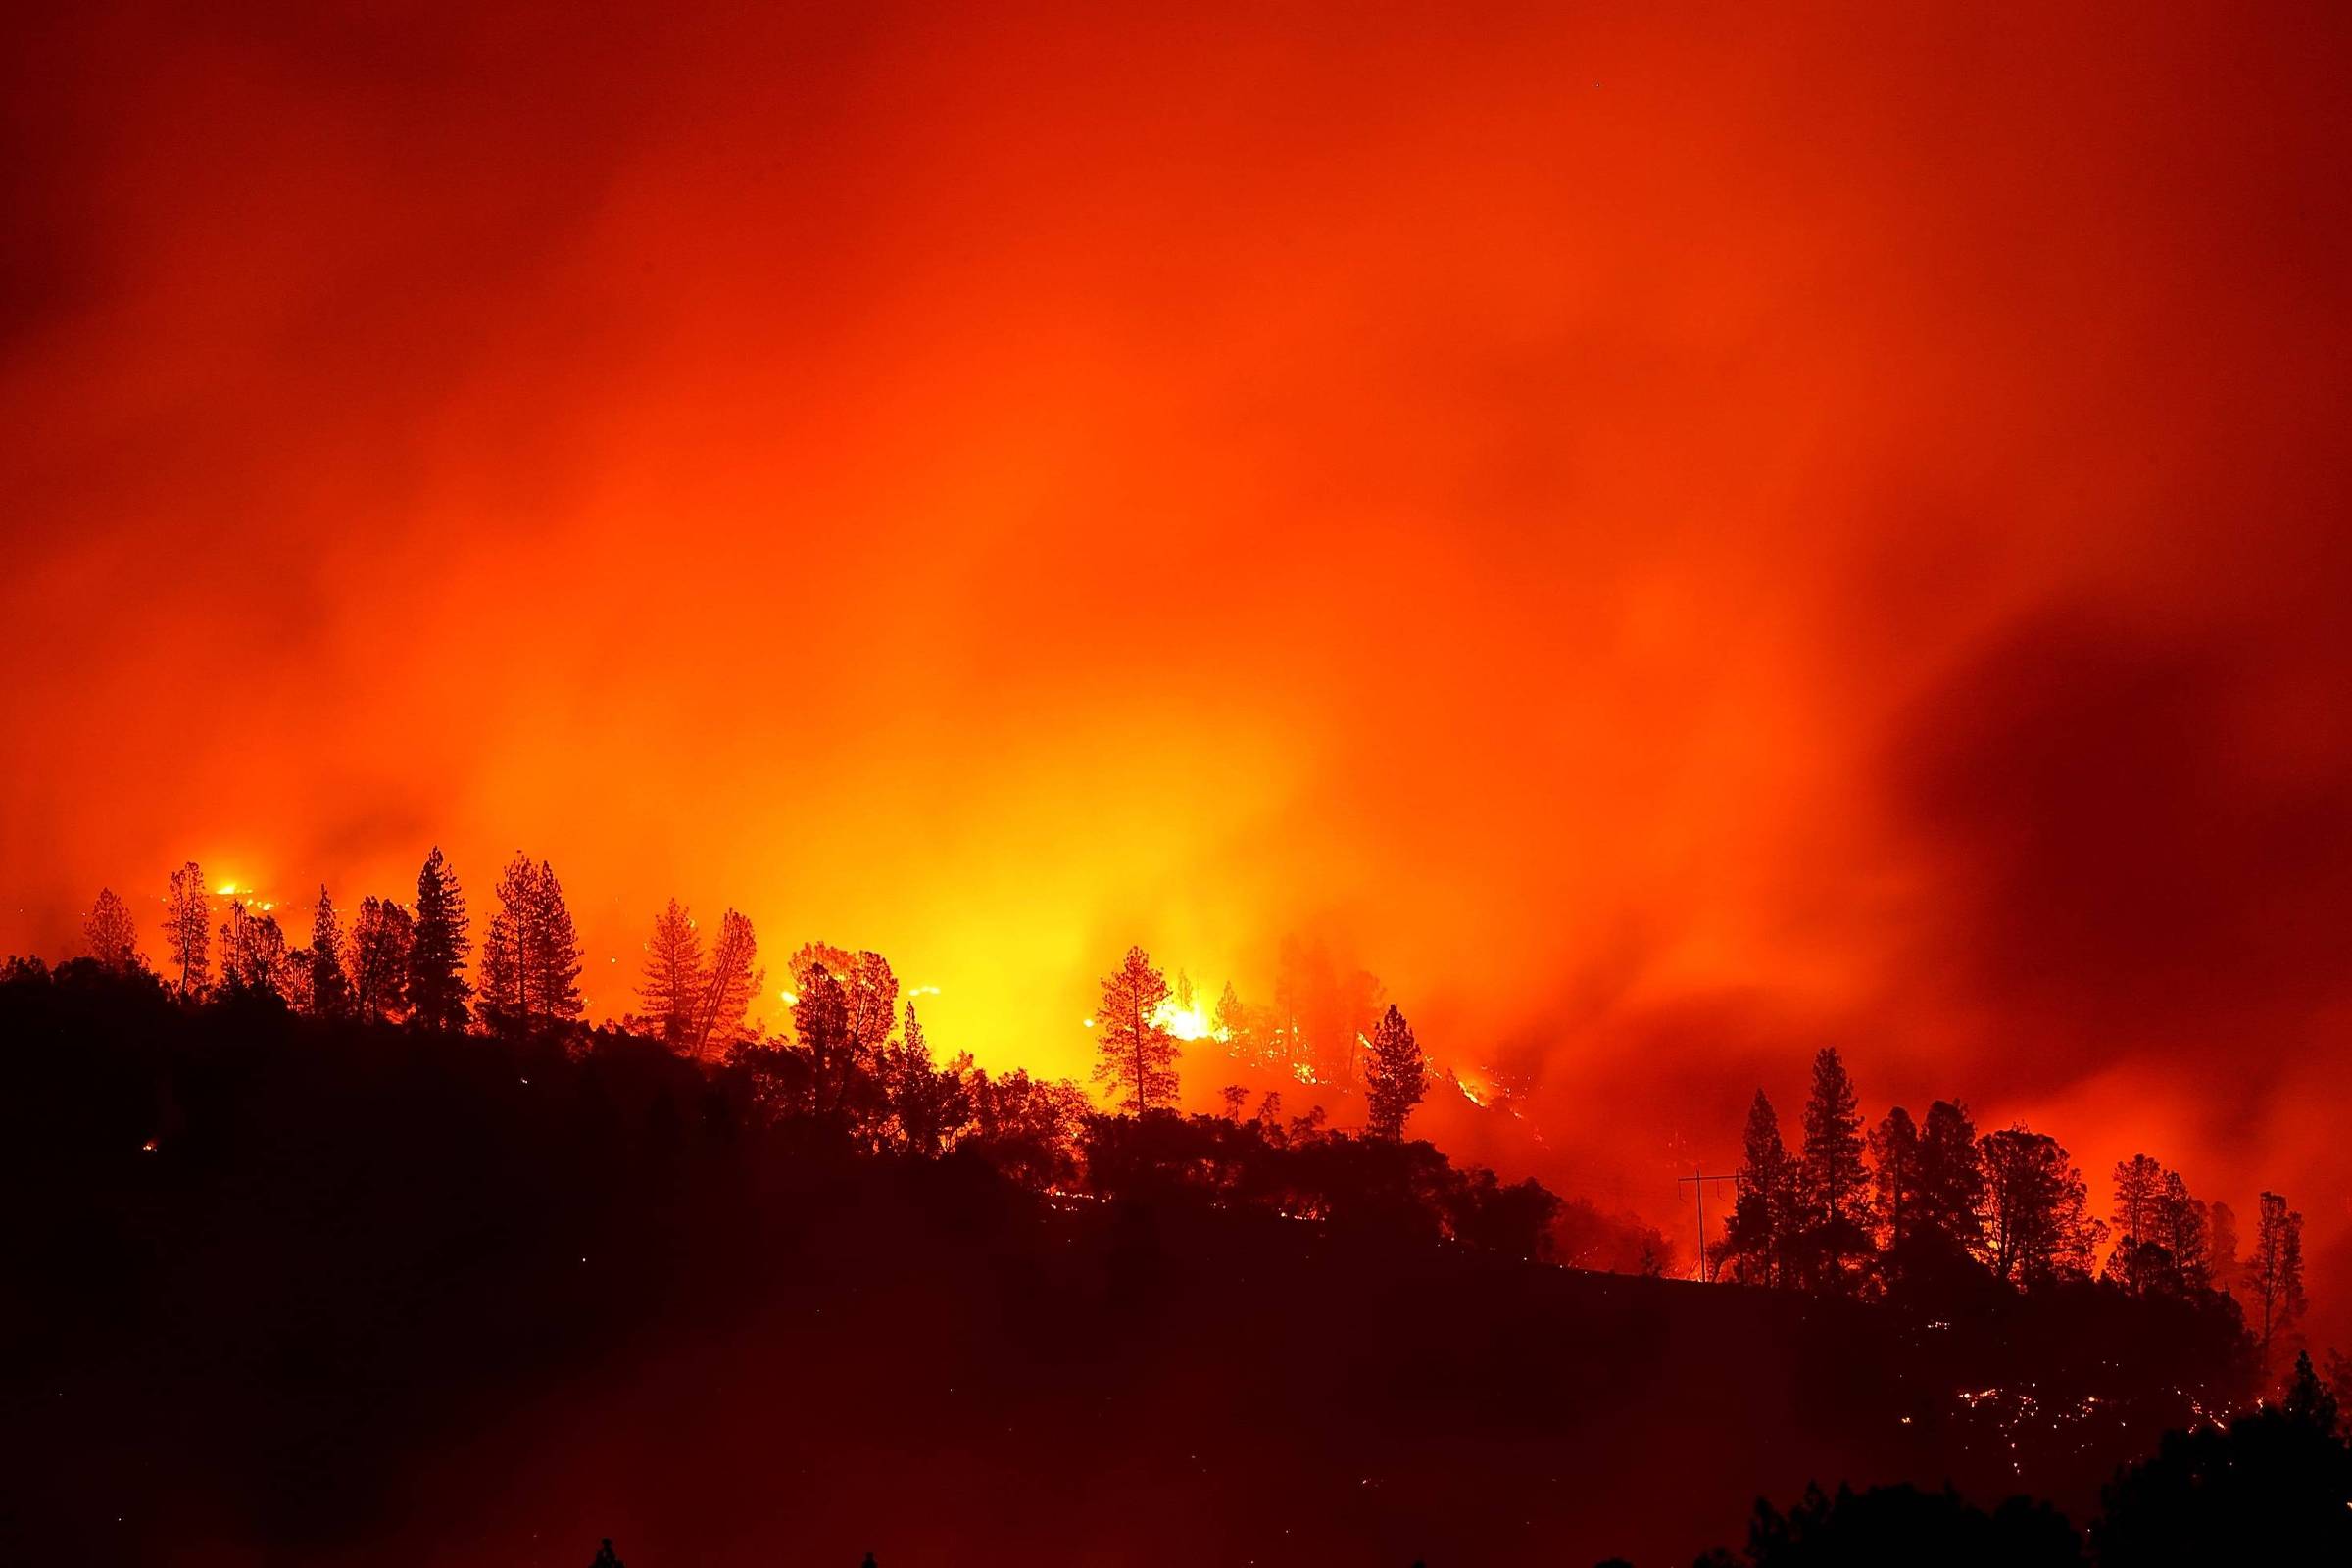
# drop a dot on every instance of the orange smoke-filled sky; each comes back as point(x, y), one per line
point(1672, 539)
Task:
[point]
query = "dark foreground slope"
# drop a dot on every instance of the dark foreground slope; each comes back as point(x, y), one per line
point(382, 1297)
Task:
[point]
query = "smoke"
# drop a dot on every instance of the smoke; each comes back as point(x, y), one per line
point(1670, 544)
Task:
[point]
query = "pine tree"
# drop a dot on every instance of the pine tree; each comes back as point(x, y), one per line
point(188, 928)
point(438, 992)
point(1756, 1235)
point(531, 955)
point(112, 934)
point(2037, 1223)
point(2275, 1273)
point(1137, 1054)
point(2138, 1184)
point(1395, 1075)
point(674, 985)
point(729, 983)
point(1833, 1190)
point(1951, 1178)
point(2181, 1226)
point(331, 988)
point(381, 936)
point(1894, 1178)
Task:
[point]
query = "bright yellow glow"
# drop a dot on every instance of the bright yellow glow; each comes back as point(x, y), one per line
point(226, 889)
point(1187, 1023)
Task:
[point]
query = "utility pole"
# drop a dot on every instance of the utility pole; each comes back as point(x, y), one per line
point(1698, 1181)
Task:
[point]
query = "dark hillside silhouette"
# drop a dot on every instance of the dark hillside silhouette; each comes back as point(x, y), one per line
point(341, 1291)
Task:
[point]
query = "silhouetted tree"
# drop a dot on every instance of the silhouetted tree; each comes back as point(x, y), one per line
point(1137, 1053)
point(1951, 1177)
point(2275, 1274)
point(821, 1021)
point(2139, 1183)
point(2181, 1227)
point(674, 983)
point(604, 1556)
point(1395, 1075)
point(2037, 1223)
point(1834, 1187)
point(188, 928)
point(1894, 1177)
point(1755, 1239)
point(330, 989)
point(870, 999)
point(254, 961)
point(531, 957)
point(438, 992)
point(929, 1106)
point(729, 982)
point(381, 935)
point(112, 934)
point(2270, 1488)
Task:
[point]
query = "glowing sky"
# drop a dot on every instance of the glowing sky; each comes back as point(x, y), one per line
point(1672, 540)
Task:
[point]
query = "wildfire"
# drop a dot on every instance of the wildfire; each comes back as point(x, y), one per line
point(1190, 1022)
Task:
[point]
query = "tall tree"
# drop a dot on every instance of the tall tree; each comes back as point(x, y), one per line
point(2275, 1272)
point(188, 928)
point(1833, 1185)
point(2038, 1222)
point(1894, 1178)
point(531, 955)
point(1951, 1178)
point(381, 936)
point(438, 992)
point(112, 934)
point(1756, 1236)
point(1137, 1054)
point(929, 1106)
point(2180, 1225)
point(331, 988)
point(729, 982)
point(1395, 1075)
point(2138, 1184)
point(674, 982)
point(820, 1020)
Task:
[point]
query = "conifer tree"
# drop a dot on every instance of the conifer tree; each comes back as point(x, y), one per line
point(331, 988)
point(2275, 1274)
point(1756, 1236)
point(1951, 1178)
point(188, 928)
point(1834, 1188)
point(821, 1021)
point(1136, 1055)
point(730, 981)
point(112, 934)
point(675, 986)
point(531, 955)
point(1894, 1178)
point(381, 936)
point(1394, 1074)
point(2138, 1185)
point(438, 992)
